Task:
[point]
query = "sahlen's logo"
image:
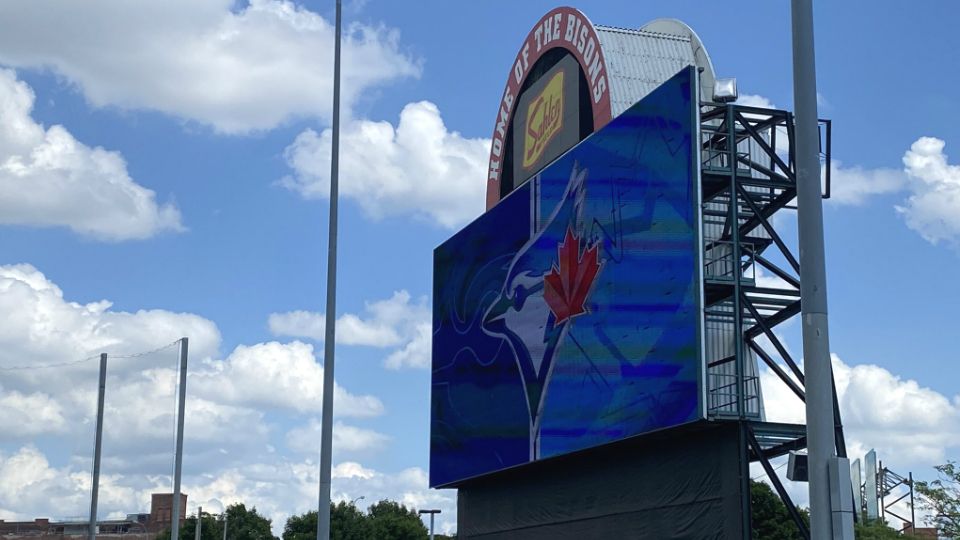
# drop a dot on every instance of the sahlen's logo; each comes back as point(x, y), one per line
point(544, 120)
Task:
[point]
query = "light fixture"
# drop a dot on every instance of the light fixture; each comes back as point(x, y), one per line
point(725, 90)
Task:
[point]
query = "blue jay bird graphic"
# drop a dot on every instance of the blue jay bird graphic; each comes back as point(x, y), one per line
point(525, 313)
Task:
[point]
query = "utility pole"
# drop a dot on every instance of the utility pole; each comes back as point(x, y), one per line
point(92, 533)
point(326, 419)
point(225, 525)
point(196, 533)
point(178, 459)
point(818, 374)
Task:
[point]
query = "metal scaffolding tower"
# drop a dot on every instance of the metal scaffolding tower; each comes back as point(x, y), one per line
point(751, 278)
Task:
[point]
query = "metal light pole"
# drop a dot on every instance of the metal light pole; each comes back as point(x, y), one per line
point(326, 419)
point(432, 513)
point(178, 459)
point(196, 533)
point(92, 533)
point(224, 525)
point(818, 375)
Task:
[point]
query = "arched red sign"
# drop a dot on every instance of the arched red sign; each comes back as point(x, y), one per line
point(566, 28)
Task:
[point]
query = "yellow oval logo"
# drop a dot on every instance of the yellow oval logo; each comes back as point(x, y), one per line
point(544, 120)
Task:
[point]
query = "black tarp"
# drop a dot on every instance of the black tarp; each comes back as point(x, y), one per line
point(681, 484)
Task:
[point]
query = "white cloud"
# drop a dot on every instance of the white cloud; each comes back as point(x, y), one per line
point(853, 185)
point(416, 353)
point(41, 327)
point(234, 405)
point(418, 168)
point(393, 322)
point(346, 439)
point(933, 208)
point(227, 400)
point(50, 179)
point(235, 68)
point(285, 376)
point(29, 415)
point(910, 426)
point(754, 100)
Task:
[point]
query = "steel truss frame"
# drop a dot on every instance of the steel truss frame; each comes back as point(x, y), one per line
point(748, 177)
point(891, 484)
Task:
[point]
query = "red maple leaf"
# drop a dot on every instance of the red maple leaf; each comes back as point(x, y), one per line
point(568, 283)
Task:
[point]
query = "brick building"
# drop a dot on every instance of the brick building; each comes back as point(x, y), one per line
point(134, 527)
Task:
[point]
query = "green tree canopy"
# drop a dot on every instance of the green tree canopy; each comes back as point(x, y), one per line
point(941, 498)
point(242, 524)
point(346, 523)
point(771, 520)
point(875, 529)
point(393, 521)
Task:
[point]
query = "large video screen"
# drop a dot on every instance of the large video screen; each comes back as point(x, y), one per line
point(567, 316)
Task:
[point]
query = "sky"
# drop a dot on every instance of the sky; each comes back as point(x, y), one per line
point(164, 169)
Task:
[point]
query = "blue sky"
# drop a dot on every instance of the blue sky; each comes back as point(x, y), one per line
point(224, 123)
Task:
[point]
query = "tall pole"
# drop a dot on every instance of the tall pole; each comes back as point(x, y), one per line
point(92, 532)
point(196, 532)
point(225, 525)
point(178, 459)
point(326, 420)
point(818, 374)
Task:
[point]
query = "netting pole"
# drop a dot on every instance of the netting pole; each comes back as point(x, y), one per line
point(92, 532)
point(178, 460)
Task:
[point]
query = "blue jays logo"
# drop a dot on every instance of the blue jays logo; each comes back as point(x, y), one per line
point(547, 285)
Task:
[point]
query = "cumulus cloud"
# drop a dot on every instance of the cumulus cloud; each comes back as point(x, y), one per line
point(397, 322)
point(855, 185)
point(50, 179)
point(29, 415)
point(909, 425)
point(236, 69)
point(227, 401)
point(416, 353)
point(42, 327)
point(933, 208)
point(285, 376)
point(419, 168)
point(755, 100)
point(347, 439)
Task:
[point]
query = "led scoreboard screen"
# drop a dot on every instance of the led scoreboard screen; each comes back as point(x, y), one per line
point(567, 316)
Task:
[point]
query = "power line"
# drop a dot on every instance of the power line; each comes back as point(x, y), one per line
point(777, 468)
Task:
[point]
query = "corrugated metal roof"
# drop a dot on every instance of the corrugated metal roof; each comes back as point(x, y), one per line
point(639, 61)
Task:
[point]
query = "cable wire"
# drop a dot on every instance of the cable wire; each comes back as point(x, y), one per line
point(87, 359)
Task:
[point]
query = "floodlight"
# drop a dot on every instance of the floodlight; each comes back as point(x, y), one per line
point(797, 469)
point(725, 90)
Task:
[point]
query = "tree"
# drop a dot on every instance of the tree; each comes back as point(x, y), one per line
point(242, 524)
point(771, 520)
point(941, 498)
point(875, 529)
point(211, 529)
point(393, 521)
point(346, 523)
